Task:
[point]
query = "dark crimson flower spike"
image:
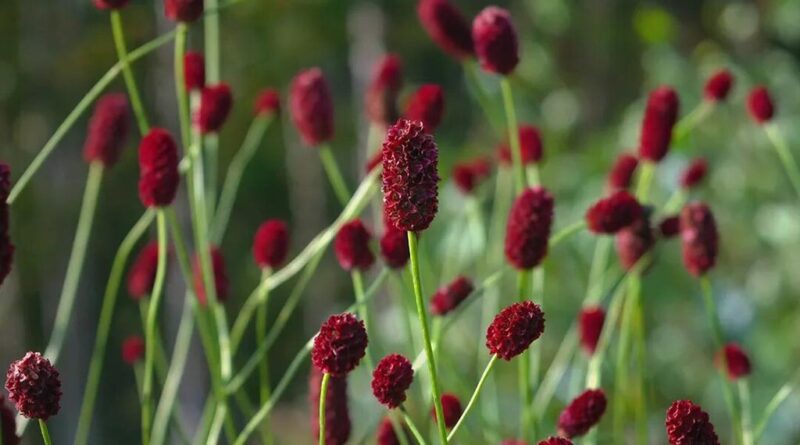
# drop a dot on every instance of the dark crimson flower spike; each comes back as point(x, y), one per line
point(108, 129)
point(634, 240)
point(427, 106)
point(528, 228)
point(183, 10)
point(132, 349)
point(450, 296)
point(621, 174)
point(760, 105)
point(194, 71)
point(108, 4)
point(391, 379)
point(514, 329)
point(221, 283)
point(311, 107)
point(612, 214)
point(736, 361)
point(582, 413)
point(670, 226)
point(158, 166)
point(468, 175)
point(386, 434)
point(530, 147)
point(352, 246)
point(660, 116)
point(215, 106)
point(447, 27)
point(8, 423)
point(590, 322)
point(143, 272)
point(394, 248)
point(337, 414)
point(340, 344)
point(699, 238)
point(718, 86)
point(556, 441)
point(451, 410)
point(380, 101)
point(495, 40)
point(688, 424)
point(6, 246)
point(34, 385)
point(694, 173)
point(268, 103)
point(271, 243)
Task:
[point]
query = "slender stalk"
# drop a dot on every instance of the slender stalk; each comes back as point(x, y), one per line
point(774, 403)
point(785, 154)
point(127, 74)
point(513, 134)
point(525, 385)
point(363, 310)
point(45, 433)
point(423, 321)
point(473, 398)
point(411, 426)
point(181, 31)
point(676, 201)
point(567, 232)
point(641, 360)
point(646, 175)
point(334, 174)
point(621, 365)
point(685, 126)
point(323, 394)
point(479, 92)
point(555, 372)
point(747, 417)
point(263, 367)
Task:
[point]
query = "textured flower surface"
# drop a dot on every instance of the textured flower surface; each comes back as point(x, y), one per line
point(271, 243)
point(556, 441)
point(143, 272)
point(410, 176)
point(183, 10)
point(514, 329)
point(386, 434)
point(495, 40)
point(311, 107)
point(194, 71)
point(216, 102)
point(736, 361)
point(760, 105)
point(621, 174)
point(590, 322)
point(132, 349)
point(380, 100)
point(634, 241)
point(394, 247)
point(530, 147)
point(659, 118)
point(108, 129)
point(450, 296)
point(221, 283)
point(699, 238)
point(582, 413)
point(611, 214)
point(446, 26)
point(688, 424)
point(427, 106)
point(109, 4)
point(718, 86)
point(8, 423)
point(158, 169)
point(268, 102)
point(528, 228)
point(451, 410)
point(340, 344)
point(337, 414)
point(34, 385)
point(390, 380)
point(694, 173)
point(352, 246)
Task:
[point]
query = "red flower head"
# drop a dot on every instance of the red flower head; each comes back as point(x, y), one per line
point(143, 272)
point(530, 147)
point(386, 434)
point(215, 106)
point(694, 173)
point(34, 385)
point(158, 166)
point(394, 248)
point(688, 424)
point(528, 228)
point(699, 238)
point(410, 177)
point(183, 10)
point(495, 40)
point(340, 344)
point(271, 243)
point(108, 129)
point(107, 4)
point(514, 329)
point(194, 71)
point(8, 423)
point(760, 105)
point(621, 174)
point(451, 410)
point(352, 246)
point(718, 86)
point(449, 297)
point(337, 415)
point(220, 277)
point(736, 361)
point(381, 97)
point(427, 106)
point(132, 349)
point(6, 246)
point(268, 103)
point(582, 414)
point(669, 226)
point(659, 118)
point(311, 107)
point(635, 240)
point(391, 379)
point(591, 326)
point(468, 175)
point(446, 26)
point(556, 441)
point(612, 214)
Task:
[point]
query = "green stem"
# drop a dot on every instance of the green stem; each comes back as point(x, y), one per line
point(785, 154)
point(411, 426)
point(334, 174)
point(747, 417)
point(526, 394)
point(640, 347)
point(479, 92)
point(567, 232)
point(127, 73)
point(45, 433)
point(363, 311)
point(323, 394)
point(513, 134)
point(774, 403)
point(474, 397)
point(263, 368)
point(685, 126)
point(181, 32)
point(646, 175)
point(555, 372)
point(212, 39)
point(676, 201)
point(597, 271)
point(621, 366)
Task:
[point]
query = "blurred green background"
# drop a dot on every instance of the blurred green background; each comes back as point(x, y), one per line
point(586, 68)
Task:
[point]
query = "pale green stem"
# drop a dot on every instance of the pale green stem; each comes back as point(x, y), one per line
point(471, 68)
point(212, 40)
point(263, 368)
point(212, 165)
point(334, 174)
point(567, 232)
point(220, 414)
point(525, 385)
point(127, 73)
point(556, 371)
point(785, 154)
point(363, 311)
point(646, 174)
point(640, 348)
point(411, 426)
point(45, 433)
point(621, 384)
point(691, 120)
point(513, 134)
point(774, 403)
point(597, 271)
point(747, 417)
point(323, 394)
point(473, 398)
point(676, 201)
point(181, 31)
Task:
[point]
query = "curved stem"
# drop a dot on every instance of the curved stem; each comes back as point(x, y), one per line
point(567, 232)
point(323, 394)
point(473, 398)
point(411, 426)
point(524, 365)
point(775, 402)
point(621, 365)
point(513, 134)
point(45, 433)
point(181, 31)
point(688, 123)
point(787, 159)
point(263, 367)
point(334, 174)
point(127, 73)
point(363, 310)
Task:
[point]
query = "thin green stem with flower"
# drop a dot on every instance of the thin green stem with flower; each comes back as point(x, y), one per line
point(45, 433)
point(513, 135)
point(334, 174)
point(127, 74)
point(473, 397)
point(784, 154)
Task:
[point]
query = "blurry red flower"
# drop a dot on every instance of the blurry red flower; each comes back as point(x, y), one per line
point(394, 247)
point(215, 106)
point(386, 434)
point(8, 424)
point(268, 102)
point(337, 415)
point(659, 118)
point(699, 238)
point(694, 173)
point(451, 410)
point(311, 107)
point(468, 175)
point(556, 441)
point(760, 105)
point(530, 147)
point(194, 71)
point(427, 106)
point(612, 214)
point(736, 361)
point(450, 296)
point(271, 243)
point(6, 246)
point(718, 86)
point(591, 321)
point(495, 40)
point(143, 272)
point(528, 228)
point(582, 413)
point(109, 4)
point(447, 27)
point(670, 226)
point(108, 129)
point(221, 283)
point(381, 96)
point(352, 246)
point(158, 169)
point(183, 10)
point(621, 175)
point(132, 349)
point(634, 240)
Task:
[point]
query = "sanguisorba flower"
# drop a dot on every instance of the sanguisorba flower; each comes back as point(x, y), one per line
point(386, 434)
point(109, 4)
point(215, 106)
point(694, 173)
point(447, 27)
point(391, 379)
point(760, 105)
point(8, 423)
point(108, 129)
point(613, 213)
point(660, 116)
point(186, 11)
point(528, 228)
point(590, 323)
point(268, 102)
point(410, 176)
point(582, 413)
point(451, 410)
point(621, 175)
point(337, 415)
point(132, 349)
point(311, 107)
point(271, 243)
point(6, 246)
point(555, 441)
point(688, 424)
point(352, 246)
point(735, 361)
point(427, 106)
point(468, 175)
point(699, 238)
point(394, 247)
point(221, 283)
point(669, 226)
point(450, 296)
point(514, 329)
point(380, 100)
point(340, 344)
point(34, 385)
point(495, 40)
point(718, 86)
point(158, 169)
point(634, 240)
point(194, 71)
point(530, 147)
point(143, 272)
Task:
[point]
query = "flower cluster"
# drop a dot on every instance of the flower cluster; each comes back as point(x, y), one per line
point(514, 329)
point(108, 129)
point(528, 228)
point(450, 296)
point(339, 345)
point(688, 424)
point(390, 380)
point(34, 385)
point(582, 413)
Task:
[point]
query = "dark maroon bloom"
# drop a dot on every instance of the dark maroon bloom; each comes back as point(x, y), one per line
point(718, 86)
point(451, 410)
point(108, 4)
point(688, 424)
point(736, 361)
point(447, 27)
point(8, 423)
point(340, 344)
point(352, 246)
point(669, 226)
point(760, 105)
point(108, 129)
point(386, 434)
point(183, 10)
point(659, 118)
point(530, 147)
point(194, 71)
point(390, 380)
point(591, 326)
point(311, 107)
point(221, 283)
point(337, 415)
point(450, 296)
point(634, 240)
point(582, 413)
point(6, 246)
point(612, 214)
point(621, 174)
point(468, 175)
point(410, 176)
point(271, 243)
point(514, 329)
point(427, 106)
point(495, 40)
point(556, 441)
point(215, 106)
point(143, 272)
point(268, 102)
point(158, 169)
point(380, 101)
point(699, 238)
point(34, 385)
point(132, 349)
point(528, 228)
point(394, 248)
point(694, 173)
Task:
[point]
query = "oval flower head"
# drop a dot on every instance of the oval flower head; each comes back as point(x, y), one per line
point(718, 86)
point(530, 147)
point(448, 297)
point(311, 107)
point(621, 174)
point(109, 4)
point(699, 238)
point(142, 275)
point(34, 385)
point(215, 106)
point(158, 169)
point(340, 344)
point(590, 322)
point(391, 379)
point(528, 228)
point(495, 40)
point(386, 435)
point(612, 214)
point(108, 129)
point(380, 100)
point(427, 106)
point(194, 71)
point(660, 116)
point(582, 413)
point(352, 246)
point(514, 329)
point(218, 269)
point(760, 105)
point(6, 246)
point(186, 11)
point(394, 247)
point(451, 410)
point(447, 27)
point(268, 102)
point(735, 361)
point(688, 424)
point(132, 349)
point(271, 244)
point(337, 413)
